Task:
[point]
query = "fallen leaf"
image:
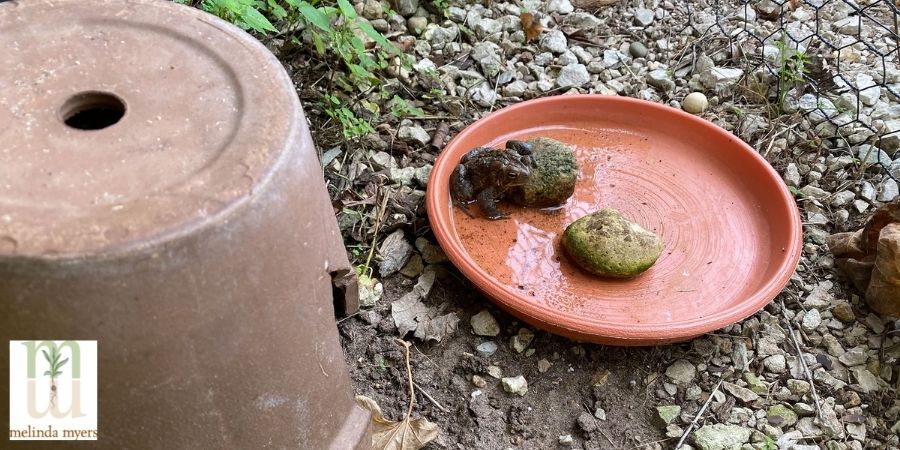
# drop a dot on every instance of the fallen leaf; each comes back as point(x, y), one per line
point(410, 314)
point(407, 434)
point(870, 257)
point(532, 26)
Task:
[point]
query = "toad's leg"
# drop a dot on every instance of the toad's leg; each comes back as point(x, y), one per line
point(524, 149)
point(486, 201)
point(461, 190)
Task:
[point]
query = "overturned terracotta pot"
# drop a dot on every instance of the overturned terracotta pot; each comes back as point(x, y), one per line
point(160, 193)
point(870, 258)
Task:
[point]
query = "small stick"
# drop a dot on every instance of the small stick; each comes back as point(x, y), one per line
point(812, 384)
point(430, 398)
point(693, 424)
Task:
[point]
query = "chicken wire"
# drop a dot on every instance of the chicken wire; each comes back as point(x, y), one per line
point(834, 62)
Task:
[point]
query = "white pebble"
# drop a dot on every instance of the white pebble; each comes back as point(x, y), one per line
point(695, 103)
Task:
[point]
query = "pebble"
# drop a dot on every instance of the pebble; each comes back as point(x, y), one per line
point(416, 25)
point(394, 252)
point(811, 320)
point(486, 348)
point(844, 312)
point(854, 357)
point(413, 134)
point(842, 198)
point(695, 103)
point(543, 365)
point(681, 371)
point(781, 415)
point(566, 440)
point(721, 436)
point(573, 75)
point(515, 385)
point(522, 340)
point(889, 190)
point(560, 6)
point(660, 79)
point(554, 41)
point(587, 422)
point(478, 381)
point(637, 50)
point(792, 175)
point(741, 393)
point(600, 414)
point(484, 324)
point(798, 387)
point(495, 372)
point(643, 17)
point(775, 364)
point(667, 413)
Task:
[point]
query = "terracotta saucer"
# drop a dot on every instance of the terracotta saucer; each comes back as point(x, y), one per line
point(731, 229)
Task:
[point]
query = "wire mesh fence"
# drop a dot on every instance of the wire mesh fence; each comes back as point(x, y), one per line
point(835, 63)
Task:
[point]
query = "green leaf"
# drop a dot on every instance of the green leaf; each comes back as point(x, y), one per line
point(377, 37)
point(56, 374)
point(46, 372)
point(277, 10)
point(62, 363)
point(317, 41)
point(255, 20)
point(347, 9)
point(47, 356)
point(314, 16)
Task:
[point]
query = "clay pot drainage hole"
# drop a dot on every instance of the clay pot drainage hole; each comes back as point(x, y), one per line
point(92, 110)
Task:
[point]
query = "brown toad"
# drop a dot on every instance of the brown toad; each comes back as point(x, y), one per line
point(485, 174)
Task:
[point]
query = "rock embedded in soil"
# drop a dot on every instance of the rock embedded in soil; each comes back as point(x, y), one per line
point(487, 348)
point(522, 340)
point(553, 175)
point(484, 324)
point(587, 423)
point(681, 371)
point(721, 437)
point(394, 252)
point(605, 243)
point(515, 385)
point(780, 415)
point(667, 413)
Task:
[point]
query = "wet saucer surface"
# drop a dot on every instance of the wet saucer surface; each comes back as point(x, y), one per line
point(730, 229)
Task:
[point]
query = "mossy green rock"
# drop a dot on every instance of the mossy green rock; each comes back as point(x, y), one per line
point(606, 243)
point(553, 175)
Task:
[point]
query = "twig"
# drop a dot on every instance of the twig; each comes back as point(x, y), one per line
point(812, 384)
point(430, 398)
point(775, 136)
point(412, 392)
point(693, 423)
point(602, 433)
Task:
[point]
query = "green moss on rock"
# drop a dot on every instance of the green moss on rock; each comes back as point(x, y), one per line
point(553, 175)
point(605, 243)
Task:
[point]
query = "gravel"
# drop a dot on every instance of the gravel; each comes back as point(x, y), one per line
point(483, 63)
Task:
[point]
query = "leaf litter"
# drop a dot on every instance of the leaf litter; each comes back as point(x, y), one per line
point(406, 434)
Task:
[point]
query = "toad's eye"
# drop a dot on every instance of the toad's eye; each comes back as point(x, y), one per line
point(512, 174)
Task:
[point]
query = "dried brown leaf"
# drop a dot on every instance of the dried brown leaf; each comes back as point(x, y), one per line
point(531, 24)
point(407, 434)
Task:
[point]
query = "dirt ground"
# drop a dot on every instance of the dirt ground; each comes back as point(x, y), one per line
point(583, 377)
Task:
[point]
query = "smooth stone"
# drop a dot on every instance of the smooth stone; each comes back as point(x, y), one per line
point(605, 243)
point(695, 103)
